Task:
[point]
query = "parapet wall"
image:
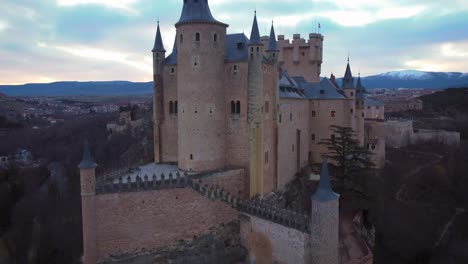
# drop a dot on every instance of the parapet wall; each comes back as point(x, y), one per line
point(269, 242)
point(150, 212)
point(422, 136)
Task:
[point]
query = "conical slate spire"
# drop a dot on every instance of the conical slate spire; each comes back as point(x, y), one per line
point(359, 85)
point(87, 162)
point(272, 45)
point(172, 58)
point(158, 44)
point(324, 190)
point(348, 81)
point(255, 34)
point(197, 11)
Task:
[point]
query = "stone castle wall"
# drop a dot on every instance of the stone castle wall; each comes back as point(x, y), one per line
point(232, 181)
point(169, 138)
point(138, 221)
point(267, 241)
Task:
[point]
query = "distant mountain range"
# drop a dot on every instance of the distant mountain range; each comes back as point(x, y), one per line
point(395, 79)
point(78, 88)
point(415, 79)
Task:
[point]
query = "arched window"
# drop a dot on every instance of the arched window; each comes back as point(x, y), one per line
point(313, 137)
point(171, 107)
point(238, 110)
point(233, 107)
point(215, 37)
point(176, 107)
point(333, 113)
point(181, 38)
point(197, 36)
point(351, 110)
point(313, 113)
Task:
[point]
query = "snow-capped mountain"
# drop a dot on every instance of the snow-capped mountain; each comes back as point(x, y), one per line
point(415, 79)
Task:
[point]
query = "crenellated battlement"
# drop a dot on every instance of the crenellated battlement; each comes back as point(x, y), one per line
point(255, 207)
point(313, 38)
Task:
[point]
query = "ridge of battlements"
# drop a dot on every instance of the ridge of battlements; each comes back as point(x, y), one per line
point(313, 37)
point(255, 207)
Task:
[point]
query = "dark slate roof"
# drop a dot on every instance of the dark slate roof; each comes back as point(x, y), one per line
point(172, 59)
point(158, 43)
point(87, 161)
point(289, 87)
point(360, 91)
point(197, 11)
point(372, 102)
point(272, 45)
point(313, 90)
point(255, 34)
point(348, 81)
point(324, 190)
point(236, 47)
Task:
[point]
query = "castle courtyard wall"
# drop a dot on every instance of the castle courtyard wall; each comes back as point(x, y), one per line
point(232, 181)
point(267, 241)
point(138, 221)
point(294, 116)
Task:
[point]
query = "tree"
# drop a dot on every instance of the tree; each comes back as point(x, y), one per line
point(343, 148)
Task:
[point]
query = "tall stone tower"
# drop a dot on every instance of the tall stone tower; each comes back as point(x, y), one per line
point(350, 92)
point(325, 221)
point(254, 111)
point(159, 54)
point(88, 205)
point(201, 44)
point(273, 52)
point(360, 110)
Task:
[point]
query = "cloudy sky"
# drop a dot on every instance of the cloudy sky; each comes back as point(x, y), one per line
point(54, 40)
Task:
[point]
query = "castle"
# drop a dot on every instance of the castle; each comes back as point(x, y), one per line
point(239, 117)
point(223, 100)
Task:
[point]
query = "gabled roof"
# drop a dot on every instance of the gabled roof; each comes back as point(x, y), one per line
point(236, 47)
point(197, 11)
point(87, 161)
point(272, 45)
point(172, 59)
point(255, 34)
point(325, 90)
point(324, 190)
point(289, 87)
point(158, 43)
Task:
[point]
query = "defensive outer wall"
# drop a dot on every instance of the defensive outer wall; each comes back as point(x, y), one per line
point(151, 212)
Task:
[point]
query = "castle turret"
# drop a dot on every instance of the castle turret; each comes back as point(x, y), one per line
point(272, 53)
point(350, 93)
point(88, 205)
point(360, 111)
point(324, 221)
point(201, 45)
point(254, 115)
point(158, 103)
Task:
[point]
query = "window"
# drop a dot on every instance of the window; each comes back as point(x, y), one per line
point(258, 49)
point(280, 118)
point(322, 91)
point(373, 146)
point(235, 107)
point(352, 94)
point(333, 113)
point(313, 137)
point(157, 55)
point(171, 107)
point(176, 107)
point(351, 110)
point(377, 107)
point(333, 137)
point(303, 54)
point(267, 106)
point(362, 114)
point(234, 67)
point(197, 36)
point(172, 70)
point(368, 107)
point(290, 117)
point(251, 49)
point(240, 45)
point(314, 113)
point(181, 38)
point(191, 156)
point(215, 37)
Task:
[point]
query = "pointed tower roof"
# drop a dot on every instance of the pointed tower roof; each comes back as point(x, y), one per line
point(158, 43)
point(348, 81)
point(272, 45)
point(324, 190)
point(87, 162)
point(172, 58)
point(197, 11)
point(255, 34)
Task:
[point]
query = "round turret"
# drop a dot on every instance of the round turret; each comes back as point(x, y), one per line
point(201, 44)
